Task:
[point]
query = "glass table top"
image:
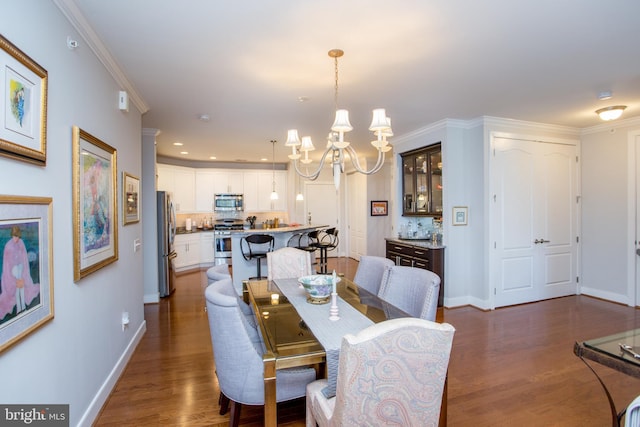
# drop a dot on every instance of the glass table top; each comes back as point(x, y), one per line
point(611, 345)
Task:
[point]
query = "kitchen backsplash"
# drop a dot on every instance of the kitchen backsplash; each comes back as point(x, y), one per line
point(202, 219)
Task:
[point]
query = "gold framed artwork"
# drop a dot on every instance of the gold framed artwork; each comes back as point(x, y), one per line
point(130, 198)
point(95, 214)
point(23, 89)
point(26, 271)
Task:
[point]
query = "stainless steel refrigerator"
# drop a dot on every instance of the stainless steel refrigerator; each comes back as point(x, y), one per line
point(166, 252)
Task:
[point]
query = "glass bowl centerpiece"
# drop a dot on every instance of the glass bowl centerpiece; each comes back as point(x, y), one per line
point(318, 287)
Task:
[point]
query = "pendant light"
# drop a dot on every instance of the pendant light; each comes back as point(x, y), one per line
point(274, 194)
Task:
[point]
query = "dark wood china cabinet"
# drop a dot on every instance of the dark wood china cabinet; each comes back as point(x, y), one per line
point(422, 181)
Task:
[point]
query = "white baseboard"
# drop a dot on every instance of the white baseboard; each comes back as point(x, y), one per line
point(599, 293)
point(151, 298)
point(90, 415)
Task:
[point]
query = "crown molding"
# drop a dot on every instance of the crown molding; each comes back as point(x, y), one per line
point(79, 22)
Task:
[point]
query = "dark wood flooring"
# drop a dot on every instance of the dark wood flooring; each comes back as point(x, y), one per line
point(509, 367)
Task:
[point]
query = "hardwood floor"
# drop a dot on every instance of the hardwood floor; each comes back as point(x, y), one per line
point(511, 366)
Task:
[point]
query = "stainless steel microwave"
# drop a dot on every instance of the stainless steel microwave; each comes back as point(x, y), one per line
point(228, 203)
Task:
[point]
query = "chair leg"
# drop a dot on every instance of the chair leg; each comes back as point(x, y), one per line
point(234, 418)
point(259, 263)
point(223, 401)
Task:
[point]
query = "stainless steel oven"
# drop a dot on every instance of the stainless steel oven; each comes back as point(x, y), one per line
point(222, 241)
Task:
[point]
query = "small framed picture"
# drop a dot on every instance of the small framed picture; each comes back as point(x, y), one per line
point(460, 214)
point(379, 208)
point(130, 198)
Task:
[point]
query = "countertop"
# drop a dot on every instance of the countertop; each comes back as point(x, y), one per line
point(421, 243)
point(182, 230)
point(285, 229)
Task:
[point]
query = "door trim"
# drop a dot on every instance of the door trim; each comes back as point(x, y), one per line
point(633, 285)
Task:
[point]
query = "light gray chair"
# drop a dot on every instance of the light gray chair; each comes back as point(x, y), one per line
point(218, 272)
point(287, 263)
point(238, 360)
point(411, 289)
point(370, 272)
point(391, 373)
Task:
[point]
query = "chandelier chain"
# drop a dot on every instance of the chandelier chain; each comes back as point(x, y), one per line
point(335, 95)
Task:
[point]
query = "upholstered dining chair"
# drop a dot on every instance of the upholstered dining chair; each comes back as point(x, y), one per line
point(285, 263)
point(218, 272)
point(370, 272)
point(238, 360)
point(413, 290)
point(391, 373)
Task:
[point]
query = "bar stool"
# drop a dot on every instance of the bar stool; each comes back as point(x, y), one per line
point(308, 242)
point(327, 240)
point(256, 246)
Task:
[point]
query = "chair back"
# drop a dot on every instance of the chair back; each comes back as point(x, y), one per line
point(238, 360)
point(285, 263)
point(371, 271)
point(393, 373)
point(411, 289)
point(256, 245)
point(329, 238)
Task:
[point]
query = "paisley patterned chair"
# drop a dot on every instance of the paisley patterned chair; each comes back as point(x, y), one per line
point(391, 373)
point(287, 263)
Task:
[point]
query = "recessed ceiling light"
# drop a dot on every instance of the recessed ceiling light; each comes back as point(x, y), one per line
point(212, 157)
point(178, 144)
point(303, 98)
point(184, 152)
point(264, 159)
point(204, 117)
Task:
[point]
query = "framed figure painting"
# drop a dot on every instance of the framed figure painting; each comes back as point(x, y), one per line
point(26, 279)
point(23, 89)
point(95, 214)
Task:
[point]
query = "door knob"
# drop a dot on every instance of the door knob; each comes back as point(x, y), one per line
point(638, 251)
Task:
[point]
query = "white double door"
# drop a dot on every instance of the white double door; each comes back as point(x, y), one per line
point(534, 220)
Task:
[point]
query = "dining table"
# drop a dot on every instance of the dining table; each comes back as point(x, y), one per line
point(620, 351)
point(298, 333)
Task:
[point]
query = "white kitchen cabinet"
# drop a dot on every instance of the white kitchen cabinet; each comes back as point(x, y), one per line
point(187, 247)
point(258, 186)
point(228, 181)
point(207, 249)
point(179, 182)
point(205, 189)
point(265, 188)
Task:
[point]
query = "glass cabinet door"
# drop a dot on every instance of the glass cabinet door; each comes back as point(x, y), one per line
point(408, 187)
point(422, 181)
point(422, 195)
point(435, 161)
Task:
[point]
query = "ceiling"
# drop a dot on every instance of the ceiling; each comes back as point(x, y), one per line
point(247, 63)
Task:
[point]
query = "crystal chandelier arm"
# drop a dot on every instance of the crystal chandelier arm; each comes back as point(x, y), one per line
point(356, 162)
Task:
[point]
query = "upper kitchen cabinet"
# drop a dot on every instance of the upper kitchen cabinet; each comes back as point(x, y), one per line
point(422, 181)
point(209, 182)
point(179, 182)
point(258, 187)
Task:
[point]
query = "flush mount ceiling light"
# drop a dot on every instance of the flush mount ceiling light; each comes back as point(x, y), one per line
point(336, 145)
point(611, 113)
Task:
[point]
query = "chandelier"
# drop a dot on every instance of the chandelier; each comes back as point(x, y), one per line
point(336, 145)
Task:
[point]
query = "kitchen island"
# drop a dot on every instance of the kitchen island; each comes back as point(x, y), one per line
point(243, 269)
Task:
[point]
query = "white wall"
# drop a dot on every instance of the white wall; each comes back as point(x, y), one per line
point(606, 265)
point(70, 359)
